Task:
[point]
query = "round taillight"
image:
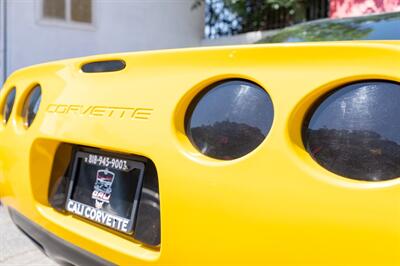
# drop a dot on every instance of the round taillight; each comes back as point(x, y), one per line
point(229, 119)
point(31, 106)
point(355, 131)
point(8, 105)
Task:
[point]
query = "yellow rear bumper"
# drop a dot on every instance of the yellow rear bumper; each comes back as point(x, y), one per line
point(275, 205)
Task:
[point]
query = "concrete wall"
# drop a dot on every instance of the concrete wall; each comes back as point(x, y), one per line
point(119, 26)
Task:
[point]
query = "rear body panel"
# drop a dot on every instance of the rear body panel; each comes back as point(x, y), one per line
point(275, 205)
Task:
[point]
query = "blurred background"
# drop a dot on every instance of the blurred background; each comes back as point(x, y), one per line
point(35, 31)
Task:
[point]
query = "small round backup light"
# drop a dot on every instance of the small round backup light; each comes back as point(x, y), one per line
point(31, 106)
point(229, 119)
point(8, 105)
point(354, 131)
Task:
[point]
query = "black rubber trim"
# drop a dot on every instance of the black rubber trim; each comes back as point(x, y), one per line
point(104, 66)
point(53, 246)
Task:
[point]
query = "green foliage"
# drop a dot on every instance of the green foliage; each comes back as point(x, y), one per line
point(227, 17)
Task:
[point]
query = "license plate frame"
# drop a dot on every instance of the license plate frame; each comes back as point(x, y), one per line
point(109, 167)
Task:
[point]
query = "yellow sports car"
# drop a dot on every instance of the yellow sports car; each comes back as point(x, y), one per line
point(261, 154)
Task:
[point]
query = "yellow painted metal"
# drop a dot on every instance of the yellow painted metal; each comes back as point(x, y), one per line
point(274, 205)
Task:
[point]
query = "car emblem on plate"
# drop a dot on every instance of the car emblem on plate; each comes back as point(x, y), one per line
point(102, 187)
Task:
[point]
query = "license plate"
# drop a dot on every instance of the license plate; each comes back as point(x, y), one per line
point(105, 188)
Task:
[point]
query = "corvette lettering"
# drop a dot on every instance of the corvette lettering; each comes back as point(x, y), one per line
point(101, 111)
point(98, 215)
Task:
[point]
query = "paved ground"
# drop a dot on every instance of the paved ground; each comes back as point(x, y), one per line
point(16, 248)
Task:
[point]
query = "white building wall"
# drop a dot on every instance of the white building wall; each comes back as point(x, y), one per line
point(1, 40)
point(118, 26)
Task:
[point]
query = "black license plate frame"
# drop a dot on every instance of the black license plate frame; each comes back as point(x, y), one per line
point(102, 208)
